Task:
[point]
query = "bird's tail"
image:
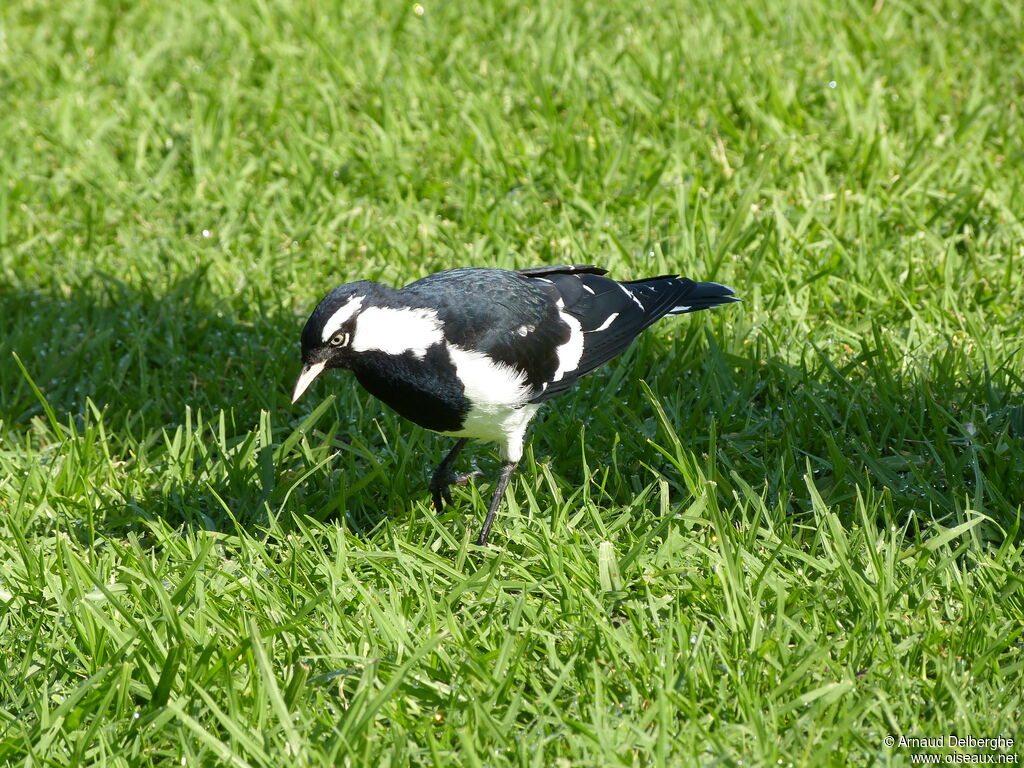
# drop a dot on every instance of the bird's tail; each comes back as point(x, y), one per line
point(672, 295)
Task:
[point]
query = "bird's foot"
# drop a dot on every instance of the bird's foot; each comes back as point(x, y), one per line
point(440, 483)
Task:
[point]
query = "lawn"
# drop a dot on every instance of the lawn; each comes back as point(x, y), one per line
point(776, 533)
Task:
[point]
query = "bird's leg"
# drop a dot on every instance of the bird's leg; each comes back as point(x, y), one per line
point(506, 473)
point(443, 476)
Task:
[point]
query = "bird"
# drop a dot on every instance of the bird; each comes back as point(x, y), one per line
point(473, 352)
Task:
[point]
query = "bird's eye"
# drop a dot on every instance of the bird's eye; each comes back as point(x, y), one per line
point(338, 339)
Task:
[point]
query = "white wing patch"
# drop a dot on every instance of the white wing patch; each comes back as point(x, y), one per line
point(606, 323)
point(571, 351)
point(678, 309)
point(397, 331)
point(629, 293)
point(341, 316)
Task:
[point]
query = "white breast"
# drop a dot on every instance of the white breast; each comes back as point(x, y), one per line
point(497, 393)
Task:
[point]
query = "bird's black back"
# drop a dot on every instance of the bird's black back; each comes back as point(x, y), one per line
point(525, 319)
point(485, 310)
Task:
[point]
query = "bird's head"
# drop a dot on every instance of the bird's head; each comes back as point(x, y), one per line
point(327, 337)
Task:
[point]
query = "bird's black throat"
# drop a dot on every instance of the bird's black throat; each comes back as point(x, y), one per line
point(424, 390)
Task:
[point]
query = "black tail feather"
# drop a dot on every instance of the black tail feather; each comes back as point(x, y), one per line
point(611, 314)
point(672, 295)
point(703, 296)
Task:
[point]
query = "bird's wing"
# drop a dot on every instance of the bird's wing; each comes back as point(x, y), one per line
point(563, 269)
point(553, 324)
point(504, 315)
point(604, 316)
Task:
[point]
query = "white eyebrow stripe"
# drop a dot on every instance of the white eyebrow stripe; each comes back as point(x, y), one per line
point(397, 330)
point(341, 316)
point(606, 323)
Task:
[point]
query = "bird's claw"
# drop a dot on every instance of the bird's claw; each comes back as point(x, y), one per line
point(463, 480)
point(441, 496)
point(439, 485)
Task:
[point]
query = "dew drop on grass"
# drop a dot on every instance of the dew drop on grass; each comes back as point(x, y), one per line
point(832, 83)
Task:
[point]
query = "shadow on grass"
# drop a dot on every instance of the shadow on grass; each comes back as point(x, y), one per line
point(143, 356)
point(194, 405)
point(179, 408)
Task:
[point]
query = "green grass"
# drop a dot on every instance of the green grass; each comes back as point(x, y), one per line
point(771, 534)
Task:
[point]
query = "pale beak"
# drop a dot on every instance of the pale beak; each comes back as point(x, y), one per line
point(309, 372)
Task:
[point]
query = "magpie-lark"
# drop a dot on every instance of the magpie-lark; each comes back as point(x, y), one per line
point(472, 353)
